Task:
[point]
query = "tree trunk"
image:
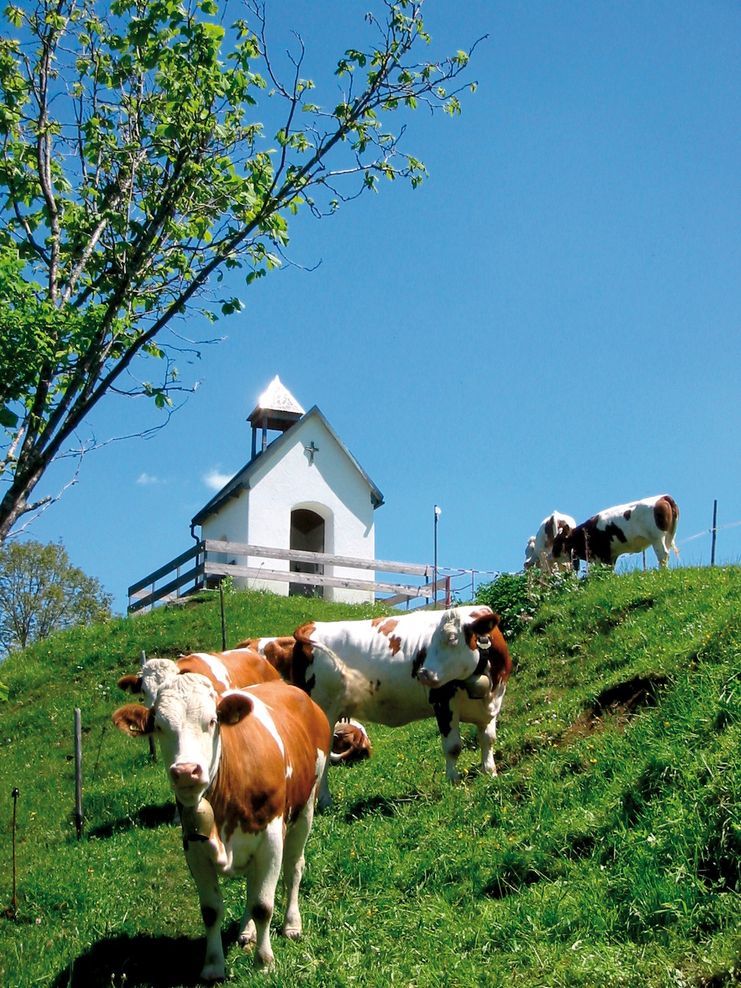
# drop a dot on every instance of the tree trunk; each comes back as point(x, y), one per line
point(15, 502)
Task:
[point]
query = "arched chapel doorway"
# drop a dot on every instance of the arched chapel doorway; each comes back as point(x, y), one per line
point(307, 534)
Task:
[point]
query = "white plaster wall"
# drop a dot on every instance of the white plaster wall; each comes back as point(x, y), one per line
point(331, 486)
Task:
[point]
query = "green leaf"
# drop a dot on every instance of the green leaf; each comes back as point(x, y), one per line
point(8, 419)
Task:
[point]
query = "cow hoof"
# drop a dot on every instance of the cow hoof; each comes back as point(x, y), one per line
point(264, 962)
point(246, 940)
point(213, 973)
point(292, 933)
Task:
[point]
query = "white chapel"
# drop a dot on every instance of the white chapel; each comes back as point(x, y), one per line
point(301, 489)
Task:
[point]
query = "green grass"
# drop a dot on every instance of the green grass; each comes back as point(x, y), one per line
point(606, 853)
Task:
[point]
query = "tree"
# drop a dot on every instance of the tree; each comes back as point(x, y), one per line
point(41, 592)
point(135, 175)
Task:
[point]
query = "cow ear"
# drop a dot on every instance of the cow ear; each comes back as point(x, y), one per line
point(233, 707)
point(134, 719)
point(485, 624)
point(131, 683)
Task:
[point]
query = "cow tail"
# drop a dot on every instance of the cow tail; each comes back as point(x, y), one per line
point(673, 528)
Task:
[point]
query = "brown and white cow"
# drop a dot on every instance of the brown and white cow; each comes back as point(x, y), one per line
point(625, 528)
point(452, 664)
point(277, 650)
point(539, 549)
point(225, 670)
point(350, 741)
point(244, 767)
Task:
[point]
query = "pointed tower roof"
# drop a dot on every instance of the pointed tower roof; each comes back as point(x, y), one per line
point(276, 407)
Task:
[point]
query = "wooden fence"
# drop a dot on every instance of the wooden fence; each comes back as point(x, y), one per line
point(203, 566)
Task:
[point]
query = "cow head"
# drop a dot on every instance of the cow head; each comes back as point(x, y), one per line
point(152, 676)
point(530, 558)
point(350, 743)
point(453, 652)
point(185, 718)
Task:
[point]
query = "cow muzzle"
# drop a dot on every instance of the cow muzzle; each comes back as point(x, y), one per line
point(186, 778)
point(428, 678)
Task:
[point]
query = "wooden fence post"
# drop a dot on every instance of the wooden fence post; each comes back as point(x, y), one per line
point(223, 618)
point(714, 531)
point(152, 746)
point(78, 772)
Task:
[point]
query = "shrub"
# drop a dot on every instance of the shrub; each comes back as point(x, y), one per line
point(517, 596)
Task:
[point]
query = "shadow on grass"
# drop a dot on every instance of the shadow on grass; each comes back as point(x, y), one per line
point(380, 806)
point(149, 817)
point(139, 961)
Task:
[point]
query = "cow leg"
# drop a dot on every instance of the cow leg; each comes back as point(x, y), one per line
point(293, 868)
point(451, 739)
point(487, 730)
point(247, 931)
point(451, 750)
point(487, 735)
point(200, 857)
point(448, 718)
point(325, 796)
point(264, 876)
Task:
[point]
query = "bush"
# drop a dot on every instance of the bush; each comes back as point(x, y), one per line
point(517, 596)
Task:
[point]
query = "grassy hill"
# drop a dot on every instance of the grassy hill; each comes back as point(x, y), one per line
point(606, 853)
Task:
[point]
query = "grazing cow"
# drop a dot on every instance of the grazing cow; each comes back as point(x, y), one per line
point(225, 670)
point(624, 528)
point(539, 549)
point(350, 743)
point(394, 670)
point(244, 767)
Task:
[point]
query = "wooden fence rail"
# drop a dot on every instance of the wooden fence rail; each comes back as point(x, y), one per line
point(206, 566)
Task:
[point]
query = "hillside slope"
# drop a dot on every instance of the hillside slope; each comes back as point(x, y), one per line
point(605, 853)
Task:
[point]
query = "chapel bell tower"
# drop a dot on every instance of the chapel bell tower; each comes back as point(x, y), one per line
point(276, 411)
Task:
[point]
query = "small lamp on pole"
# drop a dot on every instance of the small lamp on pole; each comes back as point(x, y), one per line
point(438, 512)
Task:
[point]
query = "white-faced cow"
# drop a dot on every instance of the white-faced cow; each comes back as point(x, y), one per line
point(452, 664)
point(539, 549)
point(244, 767)
point(225, 670)
point(625, 528)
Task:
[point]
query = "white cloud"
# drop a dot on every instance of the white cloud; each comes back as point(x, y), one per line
point(149, 480)
point(215, 480)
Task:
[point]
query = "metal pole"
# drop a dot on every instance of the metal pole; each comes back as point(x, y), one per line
point(714, 531)
point(14, 904)
point(78, 772)
point(434, 565)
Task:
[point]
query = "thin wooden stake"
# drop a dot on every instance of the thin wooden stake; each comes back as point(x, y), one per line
point(223, 618)
point(715, 532)
point(78, 772)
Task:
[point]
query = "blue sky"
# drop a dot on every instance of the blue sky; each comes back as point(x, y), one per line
point(551, 321)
